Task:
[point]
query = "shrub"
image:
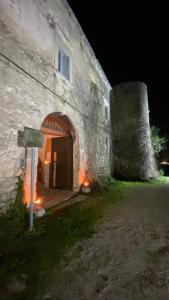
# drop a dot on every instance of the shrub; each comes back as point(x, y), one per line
point(159, 141)
point(161, 172)
point(107, 182)
point(17, 209)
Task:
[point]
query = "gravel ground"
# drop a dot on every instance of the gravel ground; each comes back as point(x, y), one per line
point(127, 258)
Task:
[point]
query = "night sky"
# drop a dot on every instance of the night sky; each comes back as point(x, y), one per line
point(130, 41)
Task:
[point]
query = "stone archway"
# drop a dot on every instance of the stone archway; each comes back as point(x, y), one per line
point(58, 160)
point(55, 126)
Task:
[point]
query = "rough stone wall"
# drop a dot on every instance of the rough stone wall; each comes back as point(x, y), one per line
point(31, 33)
point(133, 156)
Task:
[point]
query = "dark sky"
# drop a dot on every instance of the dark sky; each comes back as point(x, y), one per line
point(130, 41)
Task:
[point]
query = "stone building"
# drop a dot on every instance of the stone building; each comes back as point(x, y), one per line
point(133, 156)
point(50, 80)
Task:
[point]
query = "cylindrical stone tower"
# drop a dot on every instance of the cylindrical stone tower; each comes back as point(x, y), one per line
point(132, 148)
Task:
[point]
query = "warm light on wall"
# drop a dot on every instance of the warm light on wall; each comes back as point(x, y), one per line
point(27, 189)
point(46, 162)
point(81, 176)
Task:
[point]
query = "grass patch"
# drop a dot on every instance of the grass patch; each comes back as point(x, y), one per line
point(161, 180)
point(32, 256)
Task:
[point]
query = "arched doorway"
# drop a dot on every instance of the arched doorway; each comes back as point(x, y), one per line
point(55, 170)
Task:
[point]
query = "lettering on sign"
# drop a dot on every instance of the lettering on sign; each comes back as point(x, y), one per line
point(33, 137)
point(53, 126)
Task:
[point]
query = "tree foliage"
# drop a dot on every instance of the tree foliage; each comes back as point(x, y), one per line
point(17, 209)
point(159, 141)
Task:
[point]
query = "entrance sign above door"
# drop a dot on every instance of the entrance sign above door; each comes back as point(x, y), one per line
point(30, 138)
point(53, 128)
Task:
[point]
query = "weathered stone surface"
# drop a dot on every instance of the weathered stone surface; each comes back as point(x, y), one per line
point(31, 86)
point(132, 149)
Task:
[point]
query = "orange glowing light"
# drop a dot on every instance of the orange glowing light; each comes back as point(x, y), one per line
point(46, 162)
point(38, 201)
point(55, 156)
point(86, 183)
point(27, 190)
point(81, 175)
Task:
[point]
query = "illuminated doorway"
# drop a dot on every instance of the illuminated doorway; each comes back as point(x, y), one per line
point(61, 169)
point(55, 159)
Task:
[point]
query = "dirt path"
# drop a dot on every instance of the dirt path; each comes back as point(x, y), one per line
point(128, 257)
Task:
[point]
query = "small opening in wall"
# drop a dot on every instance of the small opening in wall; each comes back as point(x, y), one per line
point(64, 64)
point(106, 142)
point(106, 112)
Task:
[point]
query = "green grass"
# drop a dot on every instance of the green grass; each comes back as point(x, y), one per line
point(33, 256)
point(161, 180)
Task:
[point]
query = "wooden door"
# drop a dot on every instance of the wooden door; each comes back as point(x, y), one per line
point(61, 170)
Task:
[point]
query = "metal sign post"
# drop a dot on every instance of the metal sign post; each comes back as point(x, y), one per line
point(32, 188)
point(31, 138)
